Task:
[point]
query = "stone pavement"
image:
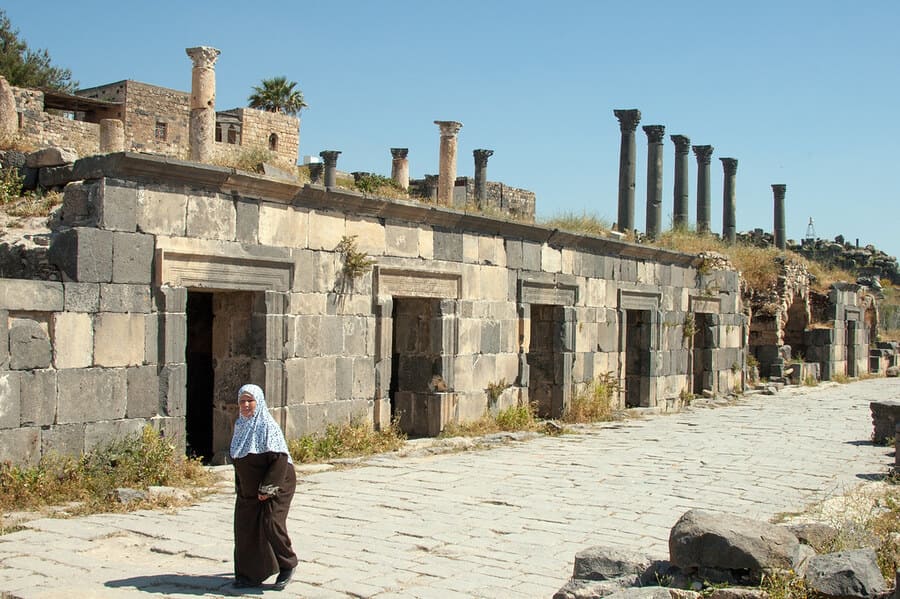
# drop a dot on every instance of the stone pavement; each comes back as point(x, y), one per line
point(500, 522)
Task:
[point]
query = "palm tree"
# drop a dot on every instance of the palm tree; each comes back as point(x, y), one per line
point(277, 95)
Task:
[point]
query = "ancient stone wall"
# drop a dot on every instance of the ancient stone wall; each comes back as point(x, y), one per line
point(500, 198)
point(156, 118)
point(143, 239)
point(39, 129)
point(258, 127)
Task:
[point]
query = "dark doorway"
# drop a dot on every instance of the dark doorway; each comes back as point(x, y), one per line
point(545, 384)
point(851, 348)
point(637, 357)
point(200, 375)
point(795, 328)
point(415, 361)
point(703, 353)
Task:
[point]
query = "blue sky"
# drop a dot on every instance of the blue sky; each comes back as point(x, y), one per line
point(803, 93)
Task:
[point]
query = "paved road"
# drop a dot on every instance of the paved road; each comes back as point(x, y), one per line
point(502, 522)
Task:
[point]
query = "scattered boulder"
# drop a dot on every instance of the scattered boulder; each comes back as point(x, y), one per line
point(717, 542)
point(577, 588)
point(654, 593)
point(168, 492)
point(607, 563)
point(47, 157)
point(127, 495)
point(892, 371)
point(737, 593)
point(846, 574)
point(815, 534)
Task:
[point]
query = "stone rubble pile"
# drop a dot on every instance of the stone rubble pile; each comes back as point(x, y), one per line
point(726, 557)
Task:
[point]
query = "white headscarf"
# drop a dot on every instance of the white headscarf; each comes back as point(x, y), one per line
point(259, 433)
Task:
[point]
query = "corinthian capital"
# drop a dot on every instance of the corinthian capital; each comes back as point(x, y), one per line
point(203, 57)
point(779, 189)
point(682, 143)
point(481, 157)
point(655, 133)
point(729, 165)
point(703, 154)
point(449, 128)
point(330, 157)
point(628, 119)
point(399, 152)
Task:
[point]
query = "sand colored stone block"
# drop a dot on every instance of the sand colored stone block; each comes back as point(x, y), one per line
point(325, 230)
point(118, 339)
point(73, 339)
point(282, 225)
point(162, 212)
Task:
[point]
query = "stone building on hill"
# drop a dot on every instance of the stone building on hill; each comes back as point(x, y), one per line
point(152, 119)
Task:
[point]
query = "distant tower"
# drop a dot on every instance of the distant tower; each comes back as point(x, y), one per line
point(810, 230)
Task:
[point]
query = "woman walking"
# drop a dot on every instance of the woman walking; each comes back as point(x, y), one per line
point(265, 481)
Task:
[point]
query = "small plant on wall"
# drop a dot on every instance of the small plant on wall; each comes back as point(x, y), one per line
point(688, 327)
point(356, 262)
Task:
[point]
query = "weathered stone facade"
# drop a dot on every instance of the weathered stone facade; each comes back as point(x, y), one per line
point(499, 198)
point(179, 282)
point(794, 323)
point(155, 120)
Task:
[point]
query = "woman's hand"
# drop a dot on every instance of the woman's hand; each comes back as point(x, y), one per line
point(262, 497)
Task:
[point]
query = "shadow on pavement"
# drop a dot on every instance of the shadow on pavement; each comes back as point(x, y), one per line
point(183, 584)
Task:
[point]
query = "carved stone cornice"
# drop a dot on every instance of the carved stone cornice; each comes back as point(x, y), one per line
point(398, 153)
point(481, 157)
point(330, 157)
point(655, 133)
point(628, 119)
point(779, 190)
point(729, 165)
point(449, 128)
point(203, 57)
point(682, 143)
point(703, 154)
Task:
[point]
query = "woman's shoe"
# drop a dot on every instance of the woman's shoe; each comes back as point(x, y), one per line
point(242, 582)
point(284, 577)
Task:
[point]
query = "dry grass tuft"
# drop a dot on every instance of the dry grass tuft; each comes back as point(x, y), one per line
point(350, 440)
point(586, 224)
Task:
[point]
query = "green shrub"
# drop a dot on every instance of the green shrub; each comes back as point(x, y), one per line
point(516, 418)
point(10, 185)
point(349, 440)
point(594, 404)
point(136, 461)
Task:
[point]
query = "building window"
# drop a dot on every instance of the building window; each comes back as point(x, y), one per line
point(273, 142)
point(161, 131)
point(218, 132)
point(232, 135)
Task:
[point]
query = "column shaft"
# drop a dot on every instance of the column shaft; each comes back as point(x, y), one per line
point(655, 136)
point(481, 160)
point(400, 167)
point(447, 172)
point(779, 190)
point(628, 122)
point(329, 157)
point(729, 224)
point(704, 155)
point(681, 198)
point(202, 128)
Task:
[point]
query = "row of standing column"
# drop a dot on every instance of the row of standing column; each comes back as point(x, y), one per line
point(628, 122)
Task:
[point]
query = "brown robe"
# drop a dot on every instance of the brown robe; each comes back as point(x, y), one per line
point(261, 543)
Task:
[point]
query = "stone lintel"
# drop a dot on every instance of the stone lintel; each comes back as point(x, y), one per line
point(704, 304)
point(394, 282)
point(552, 293)
point(639, 300)
point(186, 269)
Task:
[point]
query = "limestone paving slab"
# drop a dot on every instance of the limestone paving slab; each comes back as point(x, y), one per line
point(485, 522)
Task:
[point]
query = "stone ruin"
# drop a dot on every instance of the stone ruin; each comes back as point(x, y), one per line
point(165, 284)
point(726, 557)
